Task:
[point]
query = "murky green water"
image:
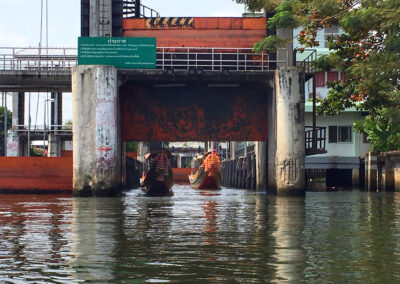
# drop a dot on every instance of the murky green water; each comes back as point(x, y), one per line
point(232, 236)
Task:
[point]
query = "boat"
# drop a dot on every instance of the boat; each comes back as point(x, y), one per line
point(206, 171)
point(158, 180)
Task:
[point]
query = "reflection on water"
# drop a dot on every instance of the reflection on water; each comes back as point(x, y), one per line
point(201, 236)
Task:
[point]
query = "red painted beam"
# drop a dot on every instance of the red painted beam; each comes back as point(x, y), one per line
point(35, 174)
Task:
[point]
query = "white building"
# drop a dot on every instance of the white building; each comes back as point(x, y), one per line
point(344, 146)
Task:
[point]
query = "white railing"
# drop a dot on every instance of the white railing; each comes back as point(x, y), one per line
point(34, 58)
point(215, 59)
point(41, 128)
point(177, 58)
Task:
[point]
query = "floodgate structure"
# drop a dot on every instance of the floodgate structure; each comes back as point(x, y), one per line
point(207, 85)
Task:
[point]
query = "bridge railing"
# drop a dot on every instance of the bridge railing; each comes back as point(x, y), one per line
point(177, 58)
point(57, 129)
point(215, 59)
point(34, 58)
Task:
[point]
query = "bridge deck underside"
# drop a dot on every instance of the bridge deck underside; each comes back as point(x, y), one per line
point(194, 111)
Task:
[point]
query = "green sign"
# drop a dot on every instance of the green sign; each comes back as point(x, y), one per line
point(121, 52)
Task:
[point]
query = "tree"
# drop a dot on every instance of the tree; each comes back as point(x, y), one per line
point(368, 53)
point(2, 121)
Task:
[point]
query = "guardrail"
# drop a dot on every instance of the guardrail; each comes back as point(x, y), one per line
point(214, 59)
point(34, 58)
point(57, 129)
point(131, 9)
point(177, 58)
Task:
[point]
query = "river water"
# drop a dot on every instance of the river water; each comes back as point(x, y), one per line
point(231, 236)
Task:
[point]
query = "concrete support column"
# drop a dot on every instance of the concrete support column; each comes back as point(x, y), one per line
point(234, 147)
point(13, 144)
point(97, 142)
point(261, 165)
point(394, 170)
point(371, 172)
point(286, 165)
point(100, 22)
point(143, 149)
point(56, 111)
point(54, 146)
point(18, 109)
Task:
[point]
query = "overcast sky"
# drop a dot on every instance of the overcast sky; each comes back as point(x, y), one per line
point(20, 27)
point(20, 19)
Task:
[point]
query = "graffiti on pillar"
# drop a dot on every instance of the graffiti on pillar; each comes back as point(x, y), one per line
point(106, 137)
point(288, 170)
point(12, 144)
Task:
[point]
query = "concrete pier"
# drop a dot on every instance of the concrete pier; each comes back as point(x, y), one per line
point(97, 143)
point(286, 150)
point(371, 172)
point(14, 145)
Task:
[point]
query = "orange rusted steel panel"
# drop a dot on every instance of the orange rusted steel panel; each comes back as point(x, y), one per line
point(133, 24)
point(181, 175)
point(254, 23)
point(212, 23)
point(201, 38)
point(193, 113)
point(224, 23)
point(66, 153)
point(36, 174)
point(236, 24)
point(200, 23)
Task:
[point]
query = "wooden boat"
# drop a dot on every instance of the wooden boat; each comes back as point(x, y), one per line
point(205, 176)
point(159, 178)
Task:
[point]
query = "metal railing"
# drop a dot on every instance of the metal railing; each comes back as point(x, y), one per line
point(308, 62)
point(34, 58)
point(52, 129)
point(240, 152)
point(315, 139)
point(177, 58)
point(214, 59)
point(130, 10)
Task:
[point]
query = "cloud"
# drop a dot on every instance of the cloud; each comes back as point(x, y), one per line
point(10, 39)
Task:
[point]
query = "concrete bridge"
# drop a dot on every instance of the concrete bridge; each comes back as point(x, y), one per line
point(232, 94)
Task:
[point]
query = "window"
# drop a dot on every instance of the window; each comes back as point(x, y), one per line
point(332, 76)
point(339, 134)
point(320, 79)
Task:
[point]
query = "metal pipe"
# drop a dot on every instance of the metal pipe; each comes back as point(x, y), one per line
point(5, 124)
point(29, 124)
point(44, 129)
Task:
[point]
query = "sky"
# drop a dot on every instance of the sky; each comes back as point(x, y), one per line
point(20, 26)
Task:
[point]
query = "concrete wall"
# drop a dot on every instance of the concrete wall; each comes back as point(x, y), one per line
point(97, 153)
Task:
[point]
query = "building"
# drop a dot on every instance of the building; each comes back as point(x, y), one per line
point(344, 147)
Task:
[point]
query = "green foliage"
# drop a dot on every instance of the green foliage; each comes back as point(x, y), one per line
point(258, 5)
point(67, 125)
point(368, 52)
point(131, 146)
point(382, 129)
point(270, 44)
point(2, 121)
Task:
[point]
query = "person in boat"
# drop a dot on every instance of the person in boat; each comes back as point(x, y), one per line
point(212, 163)
point(159, 178)
point(206, 174)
